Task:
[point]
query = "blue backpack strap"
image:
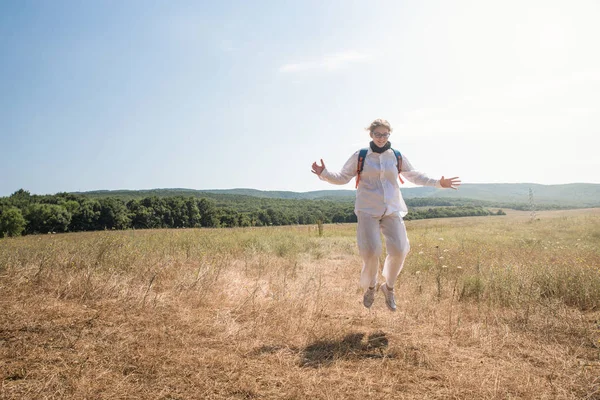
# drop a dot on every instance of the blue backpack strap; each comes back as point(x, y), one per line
point(362, 154)
point(399, 158)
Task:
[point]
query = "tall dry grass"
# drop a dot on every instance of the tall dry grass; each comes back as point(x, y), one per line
point(489, 307)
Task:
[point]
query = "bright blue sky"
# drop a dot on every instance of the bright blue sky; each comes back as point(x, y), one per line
point(205, 95)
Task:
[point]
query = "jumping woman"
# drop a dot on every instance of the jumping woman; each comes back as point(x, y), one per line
point(380, 207)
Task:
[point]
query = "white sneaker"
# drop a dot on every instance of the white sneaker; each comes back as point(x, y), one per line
point(369, 297)
point(390, 301)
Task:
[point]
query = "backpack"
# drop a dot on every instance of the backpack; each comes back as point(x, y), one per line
point(361, 164)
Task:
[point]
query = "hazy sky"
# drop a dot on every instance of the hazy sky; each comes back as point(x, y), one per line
point(206, 94)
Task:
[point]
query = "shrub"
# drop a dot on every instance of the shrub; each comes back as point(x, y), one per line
point(12, 222)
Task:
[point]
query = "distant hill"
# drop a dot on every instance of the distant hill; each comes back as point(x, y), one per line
point(568, 195)
point(573, 194)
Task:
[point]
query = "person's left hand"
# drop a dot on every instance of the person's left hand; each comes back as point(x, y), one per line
point(450, 183)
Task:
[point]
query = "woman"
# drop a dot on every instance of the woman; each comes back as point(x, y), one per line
point(379, 206)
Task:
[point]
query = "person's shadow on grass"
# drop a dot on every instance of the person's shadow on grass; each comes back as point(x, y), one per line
point(324, 352)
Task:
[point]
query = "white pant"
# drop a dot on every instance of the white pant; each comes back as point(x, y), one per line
point(370, 247)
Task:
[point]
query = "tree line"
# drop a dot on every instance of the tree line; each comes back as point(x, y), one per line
point(23, 213)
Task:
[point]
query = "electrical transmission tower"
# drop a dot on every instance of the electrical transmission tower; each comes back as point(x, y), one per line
point(532, 214)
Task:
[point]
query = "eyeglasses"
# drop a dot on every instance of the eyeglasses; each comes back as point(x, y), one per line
point(381, 135)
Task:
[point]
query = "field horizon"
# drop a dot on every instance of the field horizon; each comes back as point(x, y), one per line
point(572, 195)
point(488, 308)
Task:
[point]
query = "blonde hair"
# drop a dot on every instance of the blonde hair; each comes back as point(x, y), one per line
point(379, 122)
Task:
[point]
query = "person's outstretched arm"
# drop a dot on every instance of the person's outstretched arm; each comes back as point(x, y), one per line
point(337, 178)
point(420, 178)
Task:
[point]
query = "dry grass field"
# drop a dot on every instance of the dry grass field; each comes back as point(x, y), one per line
point(488, 308)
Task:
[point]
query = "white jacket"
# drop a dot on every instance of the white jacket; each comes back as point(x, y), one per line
point(378, 192)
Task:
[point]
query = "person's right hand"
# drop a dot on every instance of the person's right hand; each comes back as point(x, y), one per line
point(317, 169)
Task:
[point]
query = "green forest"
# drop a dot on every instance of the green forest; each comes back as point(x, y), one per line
point(23, 213)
